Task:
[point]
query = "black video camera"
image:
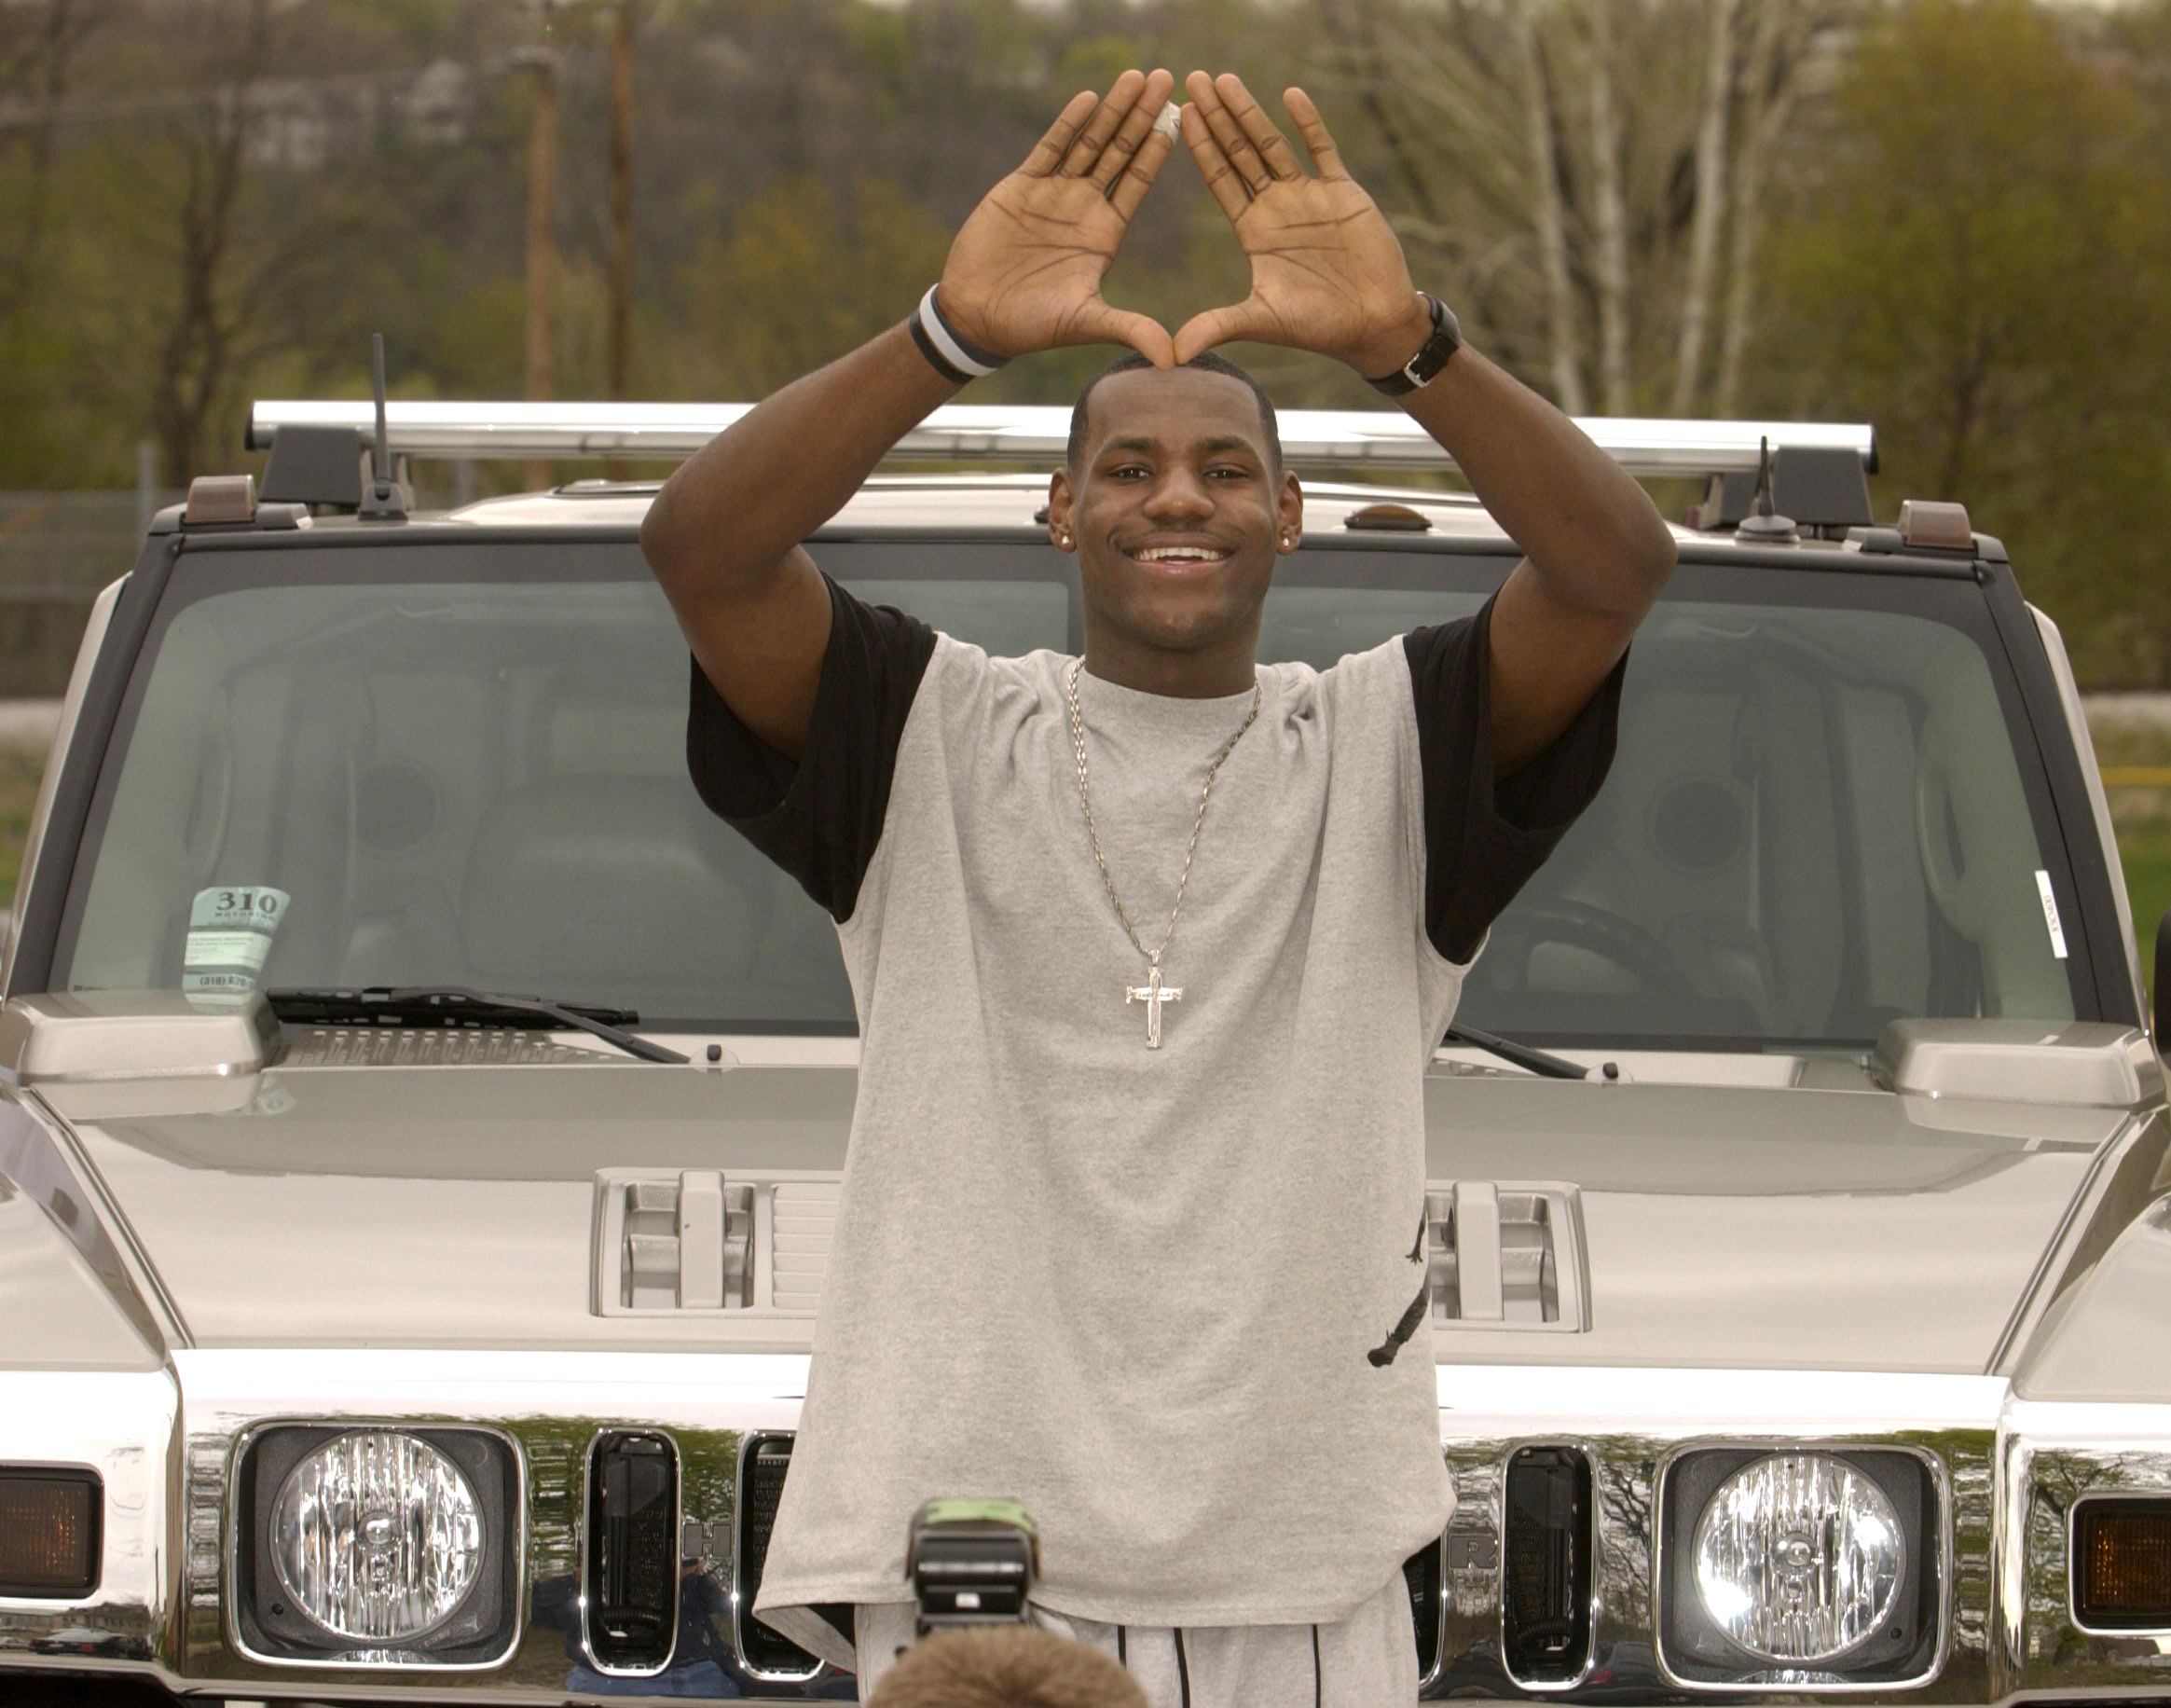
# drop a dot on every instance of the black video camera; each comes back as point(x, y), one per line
point(972, 1563)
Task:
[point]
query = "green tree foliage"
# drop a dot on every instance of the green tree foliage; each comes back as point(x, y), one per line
point(1976, 264)
point(1958, 225)
point(799, 275)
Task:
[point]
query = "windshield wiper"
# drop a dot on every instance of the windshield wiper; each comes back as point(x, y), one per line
point(1522, 1055)
point(454, 1005)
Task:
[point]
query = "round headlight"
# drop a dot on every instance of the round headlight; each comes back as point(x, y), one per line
point(377, 1536)
point(1798, 1557)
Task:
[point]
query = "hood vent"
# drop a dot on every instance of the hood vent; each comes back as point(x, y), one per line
point(1507, 1255)
point(672, 1242)
point(804, 1219)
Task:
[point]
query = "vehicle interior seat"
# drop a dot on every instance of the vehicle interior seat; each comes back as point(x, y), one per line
point(572, 881)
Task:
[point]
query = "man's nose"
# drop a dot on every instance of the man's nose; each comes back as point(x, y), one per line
point(1179, 494)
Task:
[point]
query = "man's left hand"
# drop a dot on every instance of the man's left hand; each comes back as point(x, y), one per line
point(1326, 272)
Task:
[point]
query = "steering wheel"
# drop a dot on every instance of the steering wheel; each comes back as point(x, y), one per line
point(1603, 933)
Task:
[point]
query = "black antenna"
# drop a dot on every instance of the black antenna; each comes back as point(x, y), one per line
point(1763, 524)
point(383, 499)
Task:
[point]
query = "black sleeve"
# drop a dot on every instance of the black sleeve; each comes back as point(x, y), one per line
point(1481, 843)
point(819, 818)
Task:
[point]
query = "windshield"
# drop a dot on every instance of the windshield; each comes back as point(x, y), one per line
point(465, 765)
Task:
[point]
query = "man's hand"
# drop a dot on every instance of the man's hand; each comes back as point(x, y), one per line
point(1024, 273)
point(1326, 272)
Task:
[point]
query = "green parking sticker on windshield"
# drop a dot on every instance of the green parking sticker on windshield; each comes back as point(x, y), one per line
point(230, 933)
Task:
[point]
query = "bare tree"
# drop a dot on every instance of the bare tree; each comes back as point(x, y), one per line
point(1592, 169)
point(1609, 213)
point(1780, 44)
point(1549, 212)
point(196, 354)
point(36, 60)
point(1711, 209)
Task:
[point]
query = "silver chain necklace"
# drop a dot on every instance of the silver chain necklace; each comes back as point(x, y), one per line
point(1153, 993)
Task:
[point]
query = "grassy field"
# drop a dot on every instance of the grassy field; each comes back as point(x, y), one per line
point(2144, 839)
point(18, 775)
point(2145, 850)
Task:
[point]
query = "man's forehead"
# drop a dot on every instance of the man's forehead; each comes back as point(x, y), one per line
point(1175, 409)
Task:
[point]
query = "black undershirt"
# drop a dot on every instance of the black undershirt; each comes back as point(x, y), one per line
point(821, 817)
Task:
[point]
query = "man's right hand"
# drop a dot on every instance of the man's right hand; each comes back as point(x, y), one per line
point(1025, 272)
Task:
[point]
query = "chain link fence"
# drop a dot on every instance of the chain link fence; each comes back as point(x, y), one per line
point(57, 550)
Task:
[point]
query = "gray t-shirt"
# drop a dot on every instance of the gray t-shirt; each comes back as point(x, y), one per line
point(1161, 1295)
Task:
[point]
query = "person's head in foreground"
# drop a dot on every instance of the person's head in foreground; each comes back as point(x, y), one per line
point(1005, 1666)
point(1176, 500)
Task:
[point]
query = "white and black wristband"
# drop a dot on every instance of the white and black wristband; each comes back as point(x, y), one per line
point(951, 356)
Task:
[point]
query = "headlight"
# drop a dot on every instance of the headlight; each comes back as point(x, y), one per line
point(376, 1544)
point(1799, 1557)
point(377, 1536)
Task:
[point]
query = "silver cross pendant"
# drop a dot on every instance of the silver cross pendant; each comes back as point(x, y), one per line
point(1153, 993)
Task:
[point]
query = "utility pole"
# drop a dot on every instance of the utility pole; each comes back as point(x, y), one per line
point(541, 236)
point(621, 24)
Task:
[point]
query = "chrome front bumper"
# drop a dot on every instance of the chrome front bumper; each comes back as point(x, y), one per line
point(166, 1442)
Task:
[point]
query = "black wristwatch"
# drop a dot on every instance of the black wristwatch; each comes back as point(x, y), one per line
point(1432, 355)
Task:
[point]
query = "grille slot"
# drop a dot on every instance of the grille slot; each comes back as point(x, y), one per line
point(763, 1460)
point(1544, 1578)
point(1427, 1607)
point(631, 1604)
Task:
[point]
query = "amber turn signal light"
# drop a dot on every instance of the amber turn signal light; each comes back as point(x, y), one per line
point(2121, 1565)
point(49, 1532)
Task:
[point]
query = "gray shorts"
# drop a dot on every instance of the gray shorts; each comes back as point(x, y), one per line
point(1366, 1660)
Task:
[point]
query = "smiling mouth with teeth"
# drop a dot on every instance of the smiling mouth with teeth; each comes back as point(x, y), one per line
point(1178, 553)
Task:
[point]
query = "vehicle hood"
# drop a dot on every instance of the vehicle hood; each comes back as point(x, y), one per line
point(437, 1207)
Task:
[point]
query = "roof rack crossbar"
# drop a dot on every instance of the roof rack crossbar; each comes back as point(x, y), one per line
point(964, 432)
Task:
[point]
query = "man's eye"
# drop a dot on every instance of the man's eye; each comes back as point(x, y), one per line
point(1234, 470)
point(1124, 471)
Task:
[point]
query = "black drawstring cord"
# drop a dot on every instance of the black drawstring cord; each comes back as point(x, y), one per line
point(1122, 1648)
point(1383, 1355)
point(1183, 1673)
point(1318, 1689)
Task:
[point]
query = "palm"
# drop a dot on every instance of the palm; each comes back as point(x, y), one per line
point(1326, 272)
point(1025, 272)
point(1031, 257)
point(1325, 267)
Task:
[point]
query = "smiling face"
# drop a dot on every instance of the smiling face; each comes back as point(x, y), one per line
point(1177, 512)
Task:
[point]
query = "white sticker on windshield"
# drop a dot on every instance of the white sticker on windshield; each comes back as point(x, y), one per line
point(2042, 885)
point(229, 934)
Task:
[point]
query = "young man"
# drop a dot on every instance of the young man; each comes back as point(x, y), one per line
point(1149, 1271)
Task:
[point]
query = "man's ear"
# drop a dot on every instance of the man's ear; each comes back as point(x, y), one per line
point(1060, 500)
point(1289, 507)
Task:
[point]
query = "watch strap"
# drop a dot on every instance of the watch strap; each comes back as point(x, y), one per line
point(1432, 355)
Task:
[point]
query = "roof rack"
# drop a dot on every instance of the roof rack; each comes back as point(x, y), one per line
point(963, 432)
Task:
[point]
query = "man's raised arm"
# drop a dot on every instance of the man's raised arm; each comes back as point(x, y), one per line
point(1023, 275)
point(1327, 275)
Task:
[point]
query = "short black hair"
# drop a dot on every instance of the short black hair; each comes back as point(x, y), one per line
point(1205, 362)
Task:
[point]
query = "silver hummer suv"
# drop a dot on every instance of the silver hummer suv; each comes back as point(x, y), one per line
point(422, 1120)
